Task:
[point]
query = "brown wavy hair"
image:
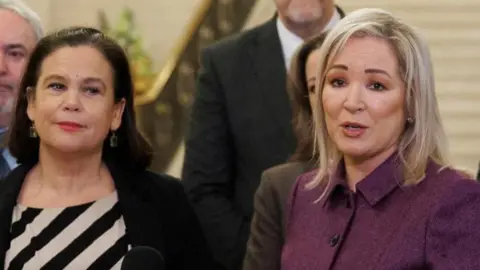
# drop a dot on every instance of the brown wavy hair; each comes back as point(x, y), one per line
point(297, 89)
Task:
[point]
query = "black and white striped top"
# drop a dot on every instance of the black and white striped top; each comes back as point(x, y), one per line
point(87, 236)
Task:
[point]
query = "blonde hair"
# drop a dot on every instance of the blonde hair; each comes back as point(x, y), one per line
point(422, 140)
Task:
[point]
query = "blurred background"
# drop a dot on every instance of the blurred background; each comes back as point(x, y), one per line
point(164, 38)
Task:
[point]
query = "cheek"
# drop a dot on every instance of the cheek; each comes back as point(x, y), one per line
point(389, 111)
point(331, 102)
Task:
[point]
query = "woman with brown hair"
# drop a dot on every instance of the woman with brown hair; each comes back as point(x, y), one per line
point(82, 196)
point(267, 229)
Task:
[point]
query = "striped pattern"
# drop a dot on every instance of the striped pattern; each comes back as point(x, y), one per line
point(87, 236)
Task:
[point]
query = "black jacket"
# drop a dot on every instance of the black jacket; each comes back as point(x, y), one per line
point(155, 210)
point(240, 125)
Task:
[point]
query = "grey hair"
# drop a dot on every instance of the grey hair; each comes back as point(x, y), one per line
point(424, 139)
point(23, 10)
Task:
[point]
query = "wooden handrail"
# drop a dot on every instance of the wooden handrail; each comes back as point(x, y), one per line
point(166, 72)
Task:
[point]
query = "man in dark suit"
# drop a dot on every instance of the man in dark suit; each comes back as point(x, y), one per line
point(241, 120)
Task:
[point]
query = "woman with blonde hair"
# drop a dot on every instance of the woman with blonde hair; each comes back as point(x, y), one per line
point(383, 196)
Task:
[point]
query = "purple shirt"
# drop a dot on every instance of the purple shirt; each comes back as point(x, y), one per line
point(385, 226)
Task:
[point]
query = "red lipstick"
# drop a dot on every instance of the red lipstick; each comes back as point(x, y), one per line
point(69, 126)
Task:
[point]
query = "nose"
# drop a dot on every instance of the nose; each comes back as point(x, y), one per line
point(354, 98)
point(72, 100)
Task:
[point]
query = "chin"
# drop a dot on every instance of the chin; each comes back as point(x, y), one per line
point(304, 16)
point(354, 151)
point(65, 145)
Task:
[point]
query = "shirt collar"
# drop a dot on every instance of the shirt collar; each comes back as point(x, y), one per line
point(376, 186)
point(289, 41)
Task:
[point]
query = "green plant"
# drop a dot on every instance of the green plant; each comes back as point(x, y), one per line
point(126, 34)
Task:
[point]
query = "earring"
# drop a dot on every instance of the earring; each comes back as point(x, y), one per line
point(410, 120)
point(33, 131)
point(113, 140)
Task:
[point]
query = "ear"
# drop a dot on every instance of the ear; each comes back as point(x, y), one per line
point(118, 109)
point(30, 97)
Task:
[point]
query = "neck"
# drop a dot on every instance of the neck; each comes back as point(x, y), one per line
point(69, 173)
point(306, 30)
point(357, 169)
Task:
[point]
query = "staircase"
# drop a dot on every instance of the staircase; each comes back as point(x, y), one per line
point(163, 110)
point(452, 29)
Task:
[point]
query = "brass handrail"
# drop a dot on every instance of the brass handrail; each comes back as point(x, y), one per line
point(166, 72)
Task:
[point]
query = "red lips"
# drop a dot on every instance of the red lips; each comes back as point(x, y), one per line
point(70, 126)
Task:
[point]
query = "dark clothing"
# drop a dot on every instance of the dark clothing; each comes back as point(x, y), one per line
point(432, 225)
point(155, 209)
point(267, 231)
point(240, 126)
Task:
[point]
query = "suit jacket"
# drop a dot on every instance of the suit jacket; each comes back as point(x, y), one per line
point(383, 224)
point(268, 224)
point(240, 126)
point(155, 209)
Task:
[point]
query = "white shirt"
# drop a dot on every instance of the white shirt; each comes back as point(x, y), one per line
point(291, 42)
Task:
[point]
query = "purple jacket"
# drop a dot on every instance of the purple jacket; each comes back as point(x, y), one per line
point(385, 226)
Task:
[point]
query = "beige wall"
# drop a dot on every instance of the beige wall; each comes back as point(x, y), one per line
point(452, 29)
point(160, 22)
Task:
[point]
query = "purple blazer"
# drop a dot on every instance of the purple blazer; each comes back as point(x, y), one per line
point(432, 225)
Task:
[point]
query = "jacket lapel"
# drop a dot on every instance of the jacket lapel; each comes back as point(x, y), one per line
point(142, 221)
point(270, 73)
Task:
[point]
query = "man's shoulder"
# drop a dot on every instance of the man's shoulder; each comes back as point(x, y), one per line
point(239, 42)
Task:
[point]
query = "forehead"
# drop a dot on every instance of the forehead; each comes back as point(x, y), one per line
point(313, 61)
point(77, 62)
point(367, 51)
point(15, 30)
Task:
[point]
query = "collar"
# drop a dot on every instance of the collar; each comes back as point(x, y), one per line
point(290, 41)
point(374, 187)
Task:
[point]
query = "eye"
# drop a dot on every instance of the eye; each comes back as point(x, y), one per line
point(376, 86)
point(337, 82)
point(311, 88)
point(16, 54)
point(92, 90)
point(56, 86)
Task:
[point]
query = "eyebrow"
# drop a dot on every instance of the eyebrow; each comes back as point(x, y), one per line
point(378, 71)
point(85, 80)
point(15, 46)
point(368, 70)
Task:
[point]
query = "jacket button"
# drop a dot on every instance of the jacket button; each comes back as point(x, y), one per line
point(334, 240)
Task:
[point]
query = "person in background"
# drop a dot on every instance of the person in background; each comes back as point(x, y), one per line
point(81, 196)
point(241, 120)
point(20, 29)
point(384, 195)
point(267, 230)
